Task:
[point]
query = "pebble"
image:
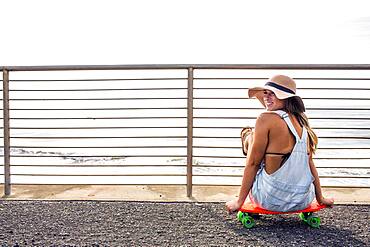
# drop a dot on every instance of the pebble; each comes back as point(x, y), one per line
point(98, 223)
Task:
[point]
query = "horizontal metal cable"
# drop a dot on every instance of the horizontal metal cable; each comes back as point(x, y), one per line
point(323, 137)
point(259, 108)
point(318, 158)
point(95, 137)
point(241, 175)
point(301, 88)
point(317, 166)
point(88, 147)
point(322, 159)
point(65, 99)
point(345, 176)
point(103, 184)
point(210, 166)
point(154, 175)
point(100, 165)
point(346, 186)
point(82, 118)
point(97, 175)
point(96, 156)
point(89, 109)
point(172, 88)
point(324, 118)
point(315, 128)
point(89, 128)
point(171, 117)
point(343, 167)
point(295, 78)
point(94, 90)
point(102, 79)
point(172, 127)
point(195, 108)
point(320, 148)
point(177, 146)
point(304, 98)
point(174, 165)
point(165, 127)
point(323, 186)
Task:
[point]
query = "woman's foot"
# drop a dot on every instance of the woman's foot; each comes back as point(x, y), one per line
point(244, 135)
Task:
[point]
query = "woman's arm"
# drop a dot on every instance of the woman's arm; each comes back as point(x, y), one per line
point(319, 197)
point(256, 152)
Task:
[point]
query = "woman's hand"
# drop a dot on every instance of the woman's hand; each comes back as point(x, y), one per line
point(233, 205)
point(326, 201)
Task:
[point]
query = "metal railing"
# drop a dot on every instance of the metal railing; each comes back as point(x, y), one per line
point(169, 124)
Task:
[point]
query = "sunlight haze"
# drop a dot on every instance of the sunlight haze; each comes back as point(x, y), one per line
point(183, 32)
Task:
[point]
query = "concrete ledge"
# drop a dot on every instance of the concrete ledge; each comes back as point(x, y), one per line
point(161, 193)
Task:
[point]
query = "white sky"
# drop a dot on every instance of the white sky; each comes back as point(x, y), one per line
point(71, 32)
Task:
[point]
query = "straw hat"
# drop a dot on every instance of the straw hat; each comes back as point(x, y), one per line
point(283, 86)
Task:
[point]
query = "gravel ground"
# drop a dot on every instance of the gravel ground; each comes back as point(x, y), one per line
point(99, 223)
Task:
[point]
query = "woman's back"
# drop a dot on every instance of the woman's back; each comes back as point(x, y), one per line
point(280, 141)
point(284, 186)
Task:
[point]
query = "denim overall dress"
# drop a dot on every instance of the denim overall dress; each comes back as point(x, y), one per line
point(291, 187)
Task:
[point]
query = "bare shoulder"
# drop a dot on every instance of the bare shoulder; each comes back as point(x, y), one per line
point(268, 118)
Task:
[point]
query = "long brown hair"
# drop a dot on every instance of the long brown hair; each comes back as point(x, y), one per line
point(295, 106)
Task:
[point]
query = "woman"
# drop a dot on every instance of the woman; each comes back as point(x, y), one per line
point(280, 174)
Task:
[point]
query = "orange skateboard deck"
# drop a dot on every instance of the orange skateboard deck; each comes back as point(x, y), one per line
point(248, 210)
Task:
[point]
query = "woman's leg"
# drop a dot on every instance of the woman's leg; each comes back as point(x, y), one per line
point(246, 136)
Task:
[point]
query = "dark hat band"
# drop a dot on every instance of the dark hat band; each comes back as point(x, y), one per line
point(281, 88)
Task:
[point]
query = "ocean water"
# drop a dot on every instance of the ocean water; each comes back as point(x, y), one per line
point(131, 129)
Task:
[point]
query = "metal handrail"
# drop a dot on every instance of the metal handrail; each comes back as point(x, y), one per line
point(193, 66)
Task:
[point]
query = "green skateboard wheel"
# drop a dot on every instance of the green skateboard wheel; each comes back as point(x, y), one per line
point(240, 216)
point(310, 219)
point(248, 222)
point(303, 216)
point(313, 221)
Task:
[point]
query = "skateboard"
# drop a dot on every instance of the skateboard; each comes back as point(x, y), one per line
point(249, 211)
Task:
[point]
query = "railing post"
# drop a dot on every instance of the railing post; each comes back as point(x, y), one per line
point(7, 185)
point(189, 172)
